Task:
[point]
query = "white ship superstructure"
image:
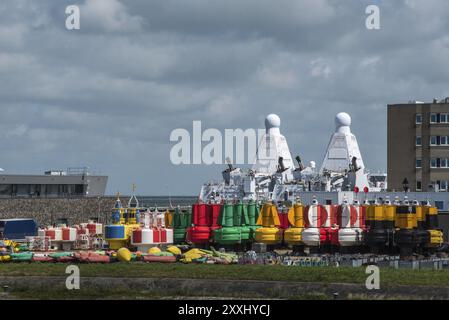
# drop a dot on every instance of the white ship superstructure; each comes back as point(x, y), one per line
point(274, 175)
point(343, 161)
point(273, 155)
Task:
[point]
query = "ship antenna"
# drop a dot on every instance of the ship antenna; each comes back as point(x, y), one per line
point(169, 197)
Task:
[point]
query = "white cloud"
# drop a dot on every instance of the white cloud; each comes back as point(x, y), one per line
point(110, 15)
point(319, 68)
point(12, 36)
point(370, 62)
point(279, 72)
point(138, 69)
point(224, 109)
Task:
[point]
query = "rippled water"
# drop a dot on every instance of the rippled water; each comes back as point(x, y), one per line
point(164, 201)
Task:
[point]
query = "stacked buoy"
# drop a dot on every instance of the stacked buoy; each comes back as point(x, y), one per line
point(204, 222)
point(269, 233)
point(350, 219)
point(406, 237)
point(421, 233)
point(321, 226)
point(313, 220)
point(293, 235)
point(249, 223)
point(69, 235)
point(124, 221)
point(230, 218)
point(380, 225)
point(181, 221)
point(237, 223)
point(94, 228)
point(53, 234)
point(431, 224)
point(169, 218)
point(115, 234)
point(152, 232)
point(329, 230)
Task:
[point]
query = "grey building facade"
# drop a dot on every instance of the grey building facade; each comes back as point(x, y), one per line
point(52, 184)
point(418, 146)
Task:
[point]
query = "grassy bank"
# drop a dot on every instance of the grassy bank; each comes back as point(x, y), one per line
point(389, 276)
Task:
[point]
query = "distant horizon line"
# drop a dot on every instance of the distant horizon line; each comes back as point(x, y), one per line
point(140, 195)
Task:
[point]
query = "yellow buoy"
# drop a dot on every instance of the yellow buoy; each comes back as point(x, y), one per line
point(293, 235)
point(174, 249)
point(268, 235)
point(193, 254)
point(268, 219)
point(124, 255)
point(154, 250)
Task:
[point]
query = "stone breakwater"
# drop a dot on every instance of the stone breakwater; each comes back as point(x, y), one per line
point(76, 210)
point(48, 211)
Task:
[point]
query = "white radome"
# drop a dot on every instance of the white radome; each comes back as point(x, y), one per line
point(342, 120)
point(272, 121)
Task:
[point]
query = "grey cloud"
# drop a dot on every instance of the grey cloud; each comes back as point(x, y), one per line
point(109, 94)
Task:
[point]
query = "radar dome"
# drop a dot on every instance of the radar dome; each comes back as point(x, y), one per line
point(342, 120)
point(272, 121)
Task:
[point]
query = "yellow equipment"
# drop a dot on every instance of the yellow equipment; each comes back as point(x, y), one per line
point(169, 218)
point(268, 219)
point(431, 223)
point(124, 255)
point(174, 249)
point(5, 258)
point(296, 219)
point(379, 221)
point(406, 217)
point(436, 238)
point(154, 250)
point(124, 222)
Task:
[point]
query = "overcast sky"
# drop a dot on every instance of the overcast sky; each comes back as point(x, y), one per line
point(108, 95)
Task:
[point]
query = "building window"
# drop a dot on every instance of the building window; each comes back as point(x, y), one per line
point(418, 118)
point(438, 140)
point(418, 163)
point(418, 141)
point(433, 163)
point(439, 205)
point(439, 162)
point(418, 185)
point(444, 118)
point(433, 118)
point(433, 140)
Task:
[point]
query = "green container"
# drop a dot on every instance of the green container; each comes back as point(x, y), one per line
point(246, 233)
point(186, 218)
point(179, 235)
point(21, 256)
point(57, 255)
point(181, 218)
point(238, 213)
point(226, 218)
point(228, 235)
point(181, 221)
point(252, 234)
point(253, 213)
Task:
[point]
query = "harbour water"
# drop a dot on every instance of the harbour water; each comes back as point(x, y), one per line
point(166, 201)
